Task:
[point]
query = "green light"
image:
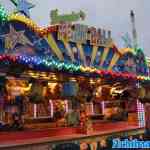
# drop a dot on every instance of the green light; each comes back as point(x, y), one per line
point(3, 14)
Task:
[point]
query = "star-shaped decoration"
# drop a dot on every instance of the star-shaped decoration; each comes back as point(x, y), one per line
point(14, 37)
point(23, 6)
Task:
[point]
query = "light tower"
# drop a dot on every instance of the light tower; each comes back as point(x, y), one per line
point(134, 33)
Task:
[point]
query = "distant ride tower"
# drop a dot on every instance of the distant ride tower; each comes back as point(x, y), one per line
point(134, 33)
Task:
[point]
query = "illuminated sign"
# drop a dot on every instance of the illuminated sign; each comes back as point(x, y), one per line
point(81, 34)
point(57, 18)
point(65, 32)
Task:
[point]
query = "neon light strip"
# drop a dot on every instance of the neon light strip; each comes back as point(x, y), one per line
point(35, 110)
point(92, 108)
point(51, 108)
point(113, 61)
point(54, 46)
point(66, 106)
point(94, 52)
point(123, 51)
point(26, 21)
point(67, 46)
point(103, 106)
point(79, 46)
point(104, 55)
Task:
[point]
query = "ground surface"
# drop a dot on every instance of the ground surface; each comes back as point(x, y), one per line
point(58, 134)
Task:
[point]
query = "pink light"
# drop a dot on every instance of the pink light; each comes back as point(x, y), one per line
point(51, 108)
point(141, 114)
point(35, 110)
point(66, 106)
point(103, 106)
point(92, 108)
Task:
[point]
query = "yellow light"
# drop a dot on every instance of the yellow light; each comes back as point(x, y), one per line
point(92, 81)
point(52, 86)
point(72, 79)
point(42, 74)
point(83, 68)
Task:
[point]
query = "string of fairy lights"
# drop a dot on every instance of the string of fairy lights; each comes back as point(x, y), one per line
point(3, 14)
point(49, 64)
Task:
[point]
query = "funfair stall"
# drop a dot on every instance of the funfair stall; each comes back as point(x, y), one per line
point(67, 83)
